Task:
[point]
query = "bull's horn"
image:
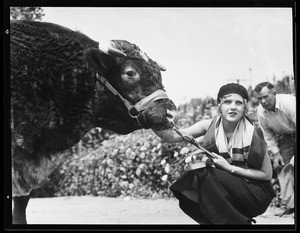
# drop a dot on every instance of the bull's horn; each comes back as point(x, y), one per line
point(109, 47)
point(161, 67)
point(144, 55)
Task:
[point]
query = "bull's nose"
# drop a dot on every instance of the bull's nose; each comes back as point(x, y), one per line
point(171, 115)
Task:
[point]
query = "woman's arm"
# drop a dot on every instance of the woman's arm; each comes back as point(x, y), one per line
point(265, 173)
point(196, 130)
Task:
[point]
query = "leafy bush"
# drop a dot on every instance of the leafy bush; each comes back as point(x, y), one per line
point(137, 164)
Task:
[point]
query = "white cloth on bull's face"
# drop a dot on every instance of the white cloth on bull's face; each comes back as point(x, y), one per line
point(107, 45)
point(239, 147)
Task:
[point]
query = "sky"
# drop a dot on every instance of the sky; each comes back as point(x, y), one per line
point(201, 48)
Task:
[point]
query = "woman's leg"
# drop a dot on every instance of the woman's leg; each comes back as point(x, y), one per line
point(216, 200)
point(191, 208)
point(222, 197)
point(240, 197)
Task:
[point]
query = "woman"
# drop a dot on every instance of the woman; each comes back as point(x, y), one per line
point(237, 187)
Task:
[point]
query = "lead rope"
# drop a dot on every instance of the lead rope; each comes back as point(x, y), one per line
point(193, 164)
point(190, 139)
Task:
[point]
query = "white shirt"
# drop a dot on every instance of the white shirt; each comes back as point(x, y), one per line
point(282, 121)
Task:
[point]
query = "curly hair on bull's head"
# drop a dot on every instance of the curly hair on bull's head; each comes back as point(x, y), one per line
point(122, 50)
point(133, 51)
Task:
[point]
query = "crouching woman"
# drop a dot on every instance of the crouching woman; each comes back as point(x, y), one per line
point(236, 187)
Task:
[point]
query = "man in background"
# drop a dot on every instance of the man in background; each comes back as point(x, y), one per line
point(276, 116)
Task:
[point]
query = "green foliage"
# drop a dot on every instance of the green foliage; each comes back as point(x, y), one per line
point(26, 13)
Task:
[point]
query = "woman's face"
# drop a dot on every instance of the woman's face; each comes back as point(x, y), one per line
point(232, 107)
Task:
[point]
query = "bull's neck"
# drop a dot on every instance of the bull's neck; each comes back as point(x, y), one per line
point(59, 139)
point(72, 119)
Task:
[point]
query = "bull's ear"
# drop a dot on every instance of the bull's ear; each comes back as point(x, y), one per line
point(99, 61)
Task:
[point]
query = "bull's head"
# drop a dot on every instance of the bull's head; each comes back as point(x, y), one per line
point(134, 78)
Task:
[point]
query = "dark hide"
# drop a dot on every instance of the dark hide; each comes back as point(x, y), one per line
point(56, 100)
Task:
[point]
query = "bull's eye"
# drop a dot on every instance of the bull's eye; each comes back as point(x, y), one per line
point(131, 73)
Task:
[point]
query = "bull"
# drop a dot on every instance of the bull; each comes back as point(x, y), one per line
point(63, 84)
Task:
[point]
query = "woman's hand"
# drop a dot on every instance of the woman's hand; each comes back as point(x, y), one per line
point(221, 162)
point(265, 173)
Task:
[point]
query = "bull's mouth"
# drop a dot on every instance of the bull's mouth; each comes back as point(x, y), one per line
point(171, 116)
point(159, 115)
point(164, 125)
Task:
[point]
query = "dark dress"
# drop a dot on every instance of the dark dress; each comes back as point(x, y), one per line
point(225, 198)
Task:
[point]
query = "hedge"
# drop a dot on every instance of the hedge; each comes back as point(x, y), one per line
point(137, 164)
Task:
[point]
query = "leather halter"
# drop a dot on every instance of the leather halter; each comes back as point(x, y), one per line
point(135, 110)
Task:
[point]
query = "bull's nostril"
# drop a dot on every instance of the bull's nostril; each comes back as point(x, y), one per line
point(170, 115)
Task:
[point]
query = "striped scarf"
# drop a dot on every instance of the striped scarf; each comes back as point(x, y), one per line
point(237, 149)
point(247, 148)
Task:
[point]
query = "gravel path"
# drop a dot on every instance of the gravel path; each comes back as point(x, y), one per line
point(103, 210)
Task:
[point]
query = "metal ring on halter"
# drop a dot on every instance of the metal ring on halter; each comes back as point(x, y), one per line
point(133, 112)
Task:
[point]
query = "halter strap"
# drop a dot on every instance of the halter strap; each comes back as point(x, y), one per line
point(148, 100)
point(135, 110)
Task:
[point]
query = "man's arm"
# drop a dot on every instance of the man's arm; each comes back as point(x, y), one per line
point(271, 140)
point(269, 135)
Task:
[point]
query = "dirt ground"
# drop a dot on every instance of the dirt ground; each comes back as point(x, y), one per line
point(103, 210)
